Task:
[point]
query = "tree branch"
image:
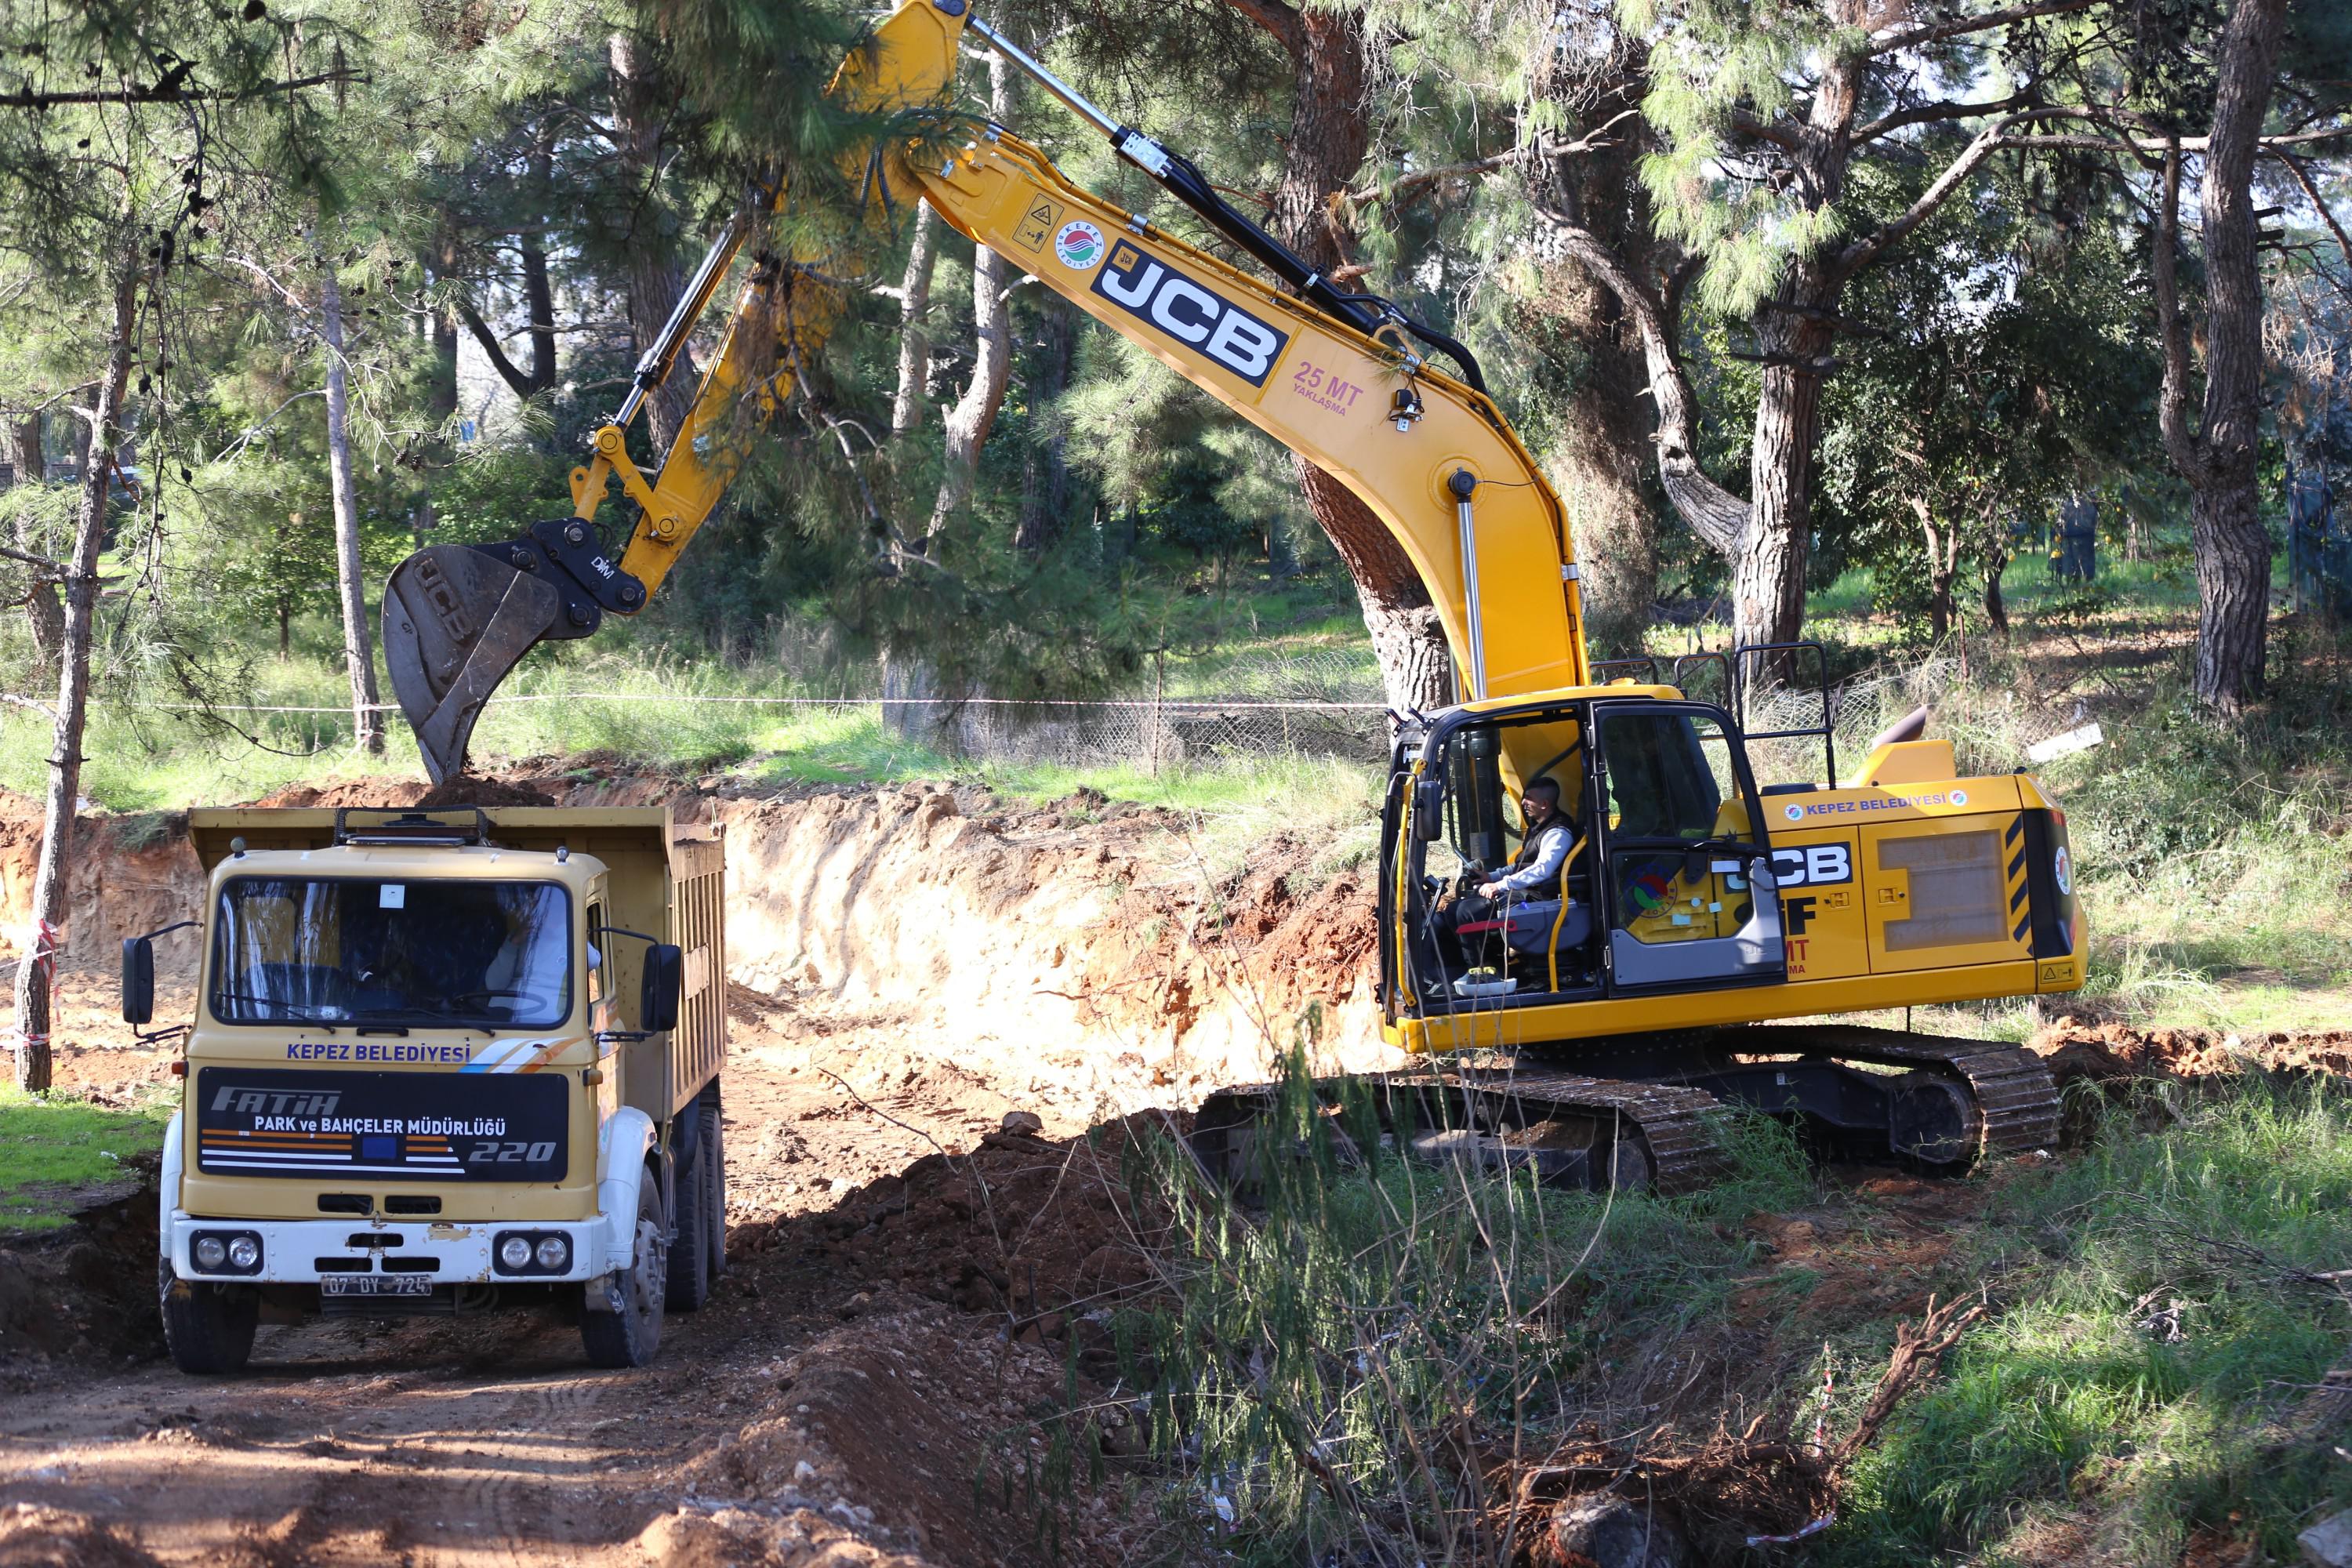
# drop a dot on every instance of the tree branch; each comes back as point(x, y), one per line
point(1781, 136)
point(523, 384)
point(175, 95)
point(1956, 27)
point(2311, 191)
point(1406, 184)
point(1278, 19)
point(1863, 252)
point(2156, 141)
point(1928, 113)
point(51, 571)
point(1714, 513)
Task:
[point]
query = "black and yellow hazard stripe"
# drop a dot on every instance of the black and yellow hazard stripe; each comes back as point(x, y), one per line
point(2014, 843)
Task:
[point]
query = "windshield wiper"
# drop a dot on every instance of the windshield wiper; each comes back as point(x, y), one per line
point(283, 1012)
point(422, 1018)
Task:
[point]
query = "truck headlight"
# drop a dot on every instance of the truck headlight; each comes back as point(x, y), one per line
point(514, 1252)
point(243, 1252)
point(211, 1252)
point(554, 1253)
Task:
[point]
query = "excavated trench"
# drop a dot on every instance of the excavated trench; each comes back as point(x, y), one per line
point(913, 1262)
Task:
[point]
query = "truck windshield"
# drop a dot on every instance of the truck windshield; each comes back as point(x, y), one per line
point(337, 950)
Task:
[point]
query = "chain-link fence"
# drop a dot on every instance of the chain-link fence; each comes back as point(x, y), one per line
point(1310, 705)
point(1314, 705)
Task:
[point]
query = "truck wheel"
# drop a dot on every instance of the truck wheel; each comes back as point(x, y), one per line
point(689, 1251)
point(208, 1327)
point(630, 1336)
point(716, 1159)
point(713, 1148)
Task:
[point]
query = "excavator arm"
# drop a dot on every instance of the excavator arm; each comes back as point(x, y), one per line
point(1340, 378)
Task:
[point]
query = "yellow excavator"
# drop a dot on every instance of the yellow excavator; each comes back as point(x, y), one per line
point(1609, 965)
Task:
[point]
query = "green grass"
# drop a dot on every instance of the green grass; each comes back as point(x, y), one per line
point(2070, 1398)
point(1358, 1316)
point(54, 1150)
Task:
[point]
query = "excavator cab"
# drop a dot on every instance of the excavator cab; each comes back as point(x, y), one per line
point(1688, 878)
point(1668, 887)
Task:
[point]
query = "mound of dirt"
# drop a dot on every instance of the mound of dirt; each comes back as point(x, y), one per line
point(464, 789)
point(87, 1297)
point(1043, 1237)
point(467, 790)
point(35, 1537)
point(2108, 1053)
point(917, 1427)
point(765, 1537)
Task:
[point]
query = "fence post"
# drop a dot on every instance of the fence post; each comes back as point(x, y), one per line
point(1153, 731)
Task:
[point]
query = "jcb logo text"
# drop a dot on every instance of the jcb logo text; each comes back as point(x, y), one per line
point(1814, 866)
point(1194, 315)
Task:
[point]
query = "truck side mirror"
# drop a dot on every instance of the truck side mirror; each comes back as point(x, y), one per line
point(138, 980)
point(664, 982)
point(1428, 807)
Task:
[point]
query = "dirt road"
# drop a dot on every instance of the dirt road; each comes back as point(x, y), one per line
point(832, 1403)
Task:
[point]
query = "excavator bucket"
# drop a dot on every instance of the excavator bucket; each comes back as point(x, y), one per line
point(455, 620)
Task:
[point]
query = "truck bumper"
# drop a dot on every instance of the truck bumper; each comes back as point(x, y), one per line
point(306, 1251)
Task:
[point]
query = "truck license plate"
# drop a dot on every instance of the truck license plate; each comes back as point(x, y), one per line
point(375, 1285)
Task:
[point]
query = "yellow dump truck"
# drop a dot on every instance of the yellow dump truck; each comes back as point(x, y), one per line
point(441, 1062)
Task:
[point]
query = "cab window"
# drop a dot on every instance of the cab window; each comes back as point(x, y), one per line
point(596, 983)
point(1664, 775)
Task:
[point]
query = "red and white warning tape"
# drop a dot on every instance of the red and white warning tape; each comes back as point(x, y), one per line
point(1813, 1529)
point(42, 954)
point(1820, 1445)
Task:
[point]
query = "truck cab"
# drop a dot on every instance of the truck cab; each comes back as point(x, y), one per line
point(442, 1062)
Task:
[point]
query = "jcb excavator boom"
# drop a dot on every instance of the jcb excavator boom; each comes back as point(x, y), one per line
point(1338, 376)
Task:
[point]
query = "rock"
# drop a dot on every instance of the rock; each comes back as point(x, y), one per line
point(1610, 1533)
point(1027, 1122)
point(2328, 1544)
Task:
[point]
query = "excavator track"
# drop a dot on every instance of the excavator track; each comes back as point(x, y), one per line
point(2016, 1097)
point(1655, 1125)
point(1571, 1130)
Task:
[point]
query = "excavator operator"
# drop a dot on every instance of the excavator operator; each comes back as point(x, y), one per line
point(1471, 918)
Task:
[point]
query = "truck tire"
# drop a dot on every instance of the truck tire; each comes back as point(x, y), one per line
point(630, 1336)
point(714, 1147)
point(208, 1327)
point(689, 1251)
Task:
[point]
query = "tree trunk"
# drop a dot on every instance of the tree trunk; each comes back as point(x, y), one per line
point(24, 432)
point(43, 609)
point(1600, 444)
point(1328, 136)
point(1045, 465)
point(1943, 567)
point(2232, 549)
point(1768, 570)
point(441, 332)
point(654, 278)
point(914, 328)
point(359, 649)
point(974, 415)
point(1765, 538)
point(37, 975)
